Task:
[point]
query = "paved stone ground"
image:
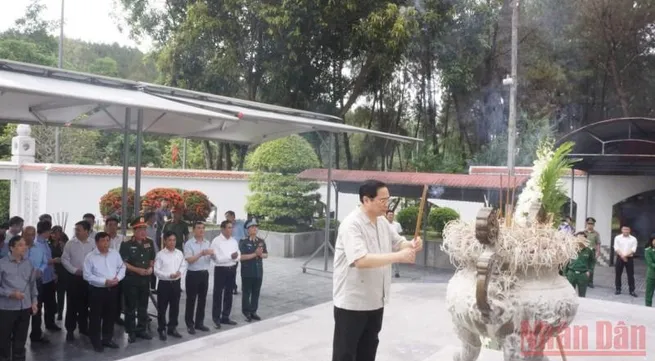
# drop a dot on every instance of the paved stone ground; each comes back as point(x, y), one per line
point(417, 327)
point(286, 289)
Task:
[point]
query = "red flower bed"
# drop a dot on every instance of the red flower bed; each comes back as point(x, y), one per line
point(152, 200)
point(111, 202)
point(197, 206)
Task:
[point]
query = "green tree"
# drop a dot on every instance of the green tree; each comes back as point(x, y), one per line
point(278, 196)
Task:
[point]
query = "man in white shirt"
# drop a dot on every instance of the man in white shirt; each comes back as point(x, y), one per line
point(77, 297)
point(103, 269)
point(365, 249)
point(197, 253)
point(226, 255)
point(115, 241)
point(89, 217)
point(396, 227)
point(625, 246)
point(169, 268)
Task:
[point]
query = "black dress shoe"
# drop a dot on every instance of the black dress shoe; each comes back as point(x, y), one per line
point(633, 294)
point(131, 338)
point(217, 325)
point(174, 333)
point(202, 328)
point(248, 317)
point(144, 335)
point(591, 285)
point(162, 335)
point(227, 321)
point(70, 336)
point(617, 292)
point(255, 317)
point(53, 327)
point(191, 331)
point(110, 344)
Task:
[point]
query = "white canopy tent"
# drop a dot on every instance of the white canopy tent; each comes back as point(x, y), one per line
point(49, 96)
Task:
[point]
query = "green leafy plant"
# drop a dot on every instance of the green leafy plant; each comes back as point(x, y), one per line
point(440, 216)
point(553, 193)
point(278, 196)
point(407, 219)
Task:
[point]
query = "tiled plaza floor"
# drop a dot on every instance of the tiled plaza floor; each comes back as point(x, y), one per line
point(286, 289)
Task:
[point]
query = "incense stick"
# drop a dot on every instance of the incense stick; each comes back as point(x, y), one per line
point(501, 196)
point(417, 231)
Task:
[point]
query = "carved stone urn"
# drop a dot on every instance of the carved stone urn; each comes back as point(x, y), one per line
point(496, 295)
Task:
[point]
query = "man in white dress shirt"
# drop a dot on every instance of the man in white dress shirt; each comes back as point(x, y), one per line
point(77, 295)
point(103, 269)
point(226, 255)
point(115, 241)
point(169, 268)
point(625, 246)
point(198, 254)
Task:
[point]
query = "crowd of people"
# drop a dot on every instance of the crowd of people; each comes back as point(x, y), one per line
point(90, 280)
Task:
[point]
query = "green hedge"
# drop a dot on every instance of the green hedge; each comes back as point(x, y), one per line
point(407, 219)
point(439, 217)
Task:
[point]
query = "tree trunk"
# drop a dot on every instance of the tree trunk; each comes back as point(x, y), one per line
point(228, 156)
point(618, 85)
point(219, 157)
point(209, 157)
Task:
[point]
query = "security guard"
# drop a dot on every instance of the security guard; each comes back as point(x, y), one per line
point(579, 269)
point(253, 250)
point(649, 255)
point(179, 227)
point(138, 253)
point(594, 243)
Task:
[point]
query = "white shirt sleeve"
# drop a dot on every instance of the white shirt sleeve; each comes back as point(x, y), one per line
point(66, 258)
point(159, 266)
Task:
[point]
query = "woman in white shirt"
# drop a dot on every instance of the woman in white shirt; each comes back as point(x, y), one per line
point(169, 268)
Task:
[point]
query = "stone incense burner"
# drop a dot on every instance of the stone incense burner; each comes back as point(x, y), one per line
point(502, 292)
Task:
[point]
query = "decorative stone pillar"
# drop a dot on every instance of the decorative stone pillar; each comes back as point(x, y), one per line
point(23, 146)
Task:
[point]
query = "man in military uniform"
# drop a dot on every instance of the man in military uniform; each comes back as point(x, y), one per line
point(253, 251)
point(594, 243)
point(138, 253)
point(179, 227)
point(578, 270)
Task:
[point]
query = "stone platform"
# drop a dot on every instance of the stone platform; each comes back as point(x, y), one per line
point(416, 327)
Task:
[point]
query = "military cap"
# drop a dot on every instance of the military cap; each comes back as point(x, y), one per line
point(591, 220)
point(138, 222)
point(250, 223)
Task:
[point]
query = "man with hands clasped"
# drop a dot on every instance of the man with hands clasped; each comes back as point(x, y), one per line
point(226, 256)
point(103, 269)
point(365, 249)
point(18, 299)
point(139, 256)
point(625, 247)
point(198, 254)
point(170, 265)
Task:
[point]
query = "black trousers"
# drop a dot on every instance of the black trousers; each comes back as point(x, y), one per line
point(61, 295)
point(168, 298)
point(13, 334)
point(102, 314)
point(153, 282)
point(77, 300)
point(136, 290)
point(356, 334)
point(250, 287)
point(197, 284)
point(46, 299)
point(630, 268)
point(224, 278)
point(120, 300)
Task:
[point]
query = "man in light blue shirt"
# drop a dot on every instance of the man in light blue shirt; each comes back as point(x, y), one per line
point(48, 290)
point(198, 254)
point(103, 269)
point(38, 257)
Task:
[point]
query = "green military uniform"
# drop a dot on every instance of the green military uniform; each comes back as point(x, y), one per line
point(576, 270)
point(649, 254)
point(594, 239)
point(181, 230)
point(252, 274)
point(136, 287)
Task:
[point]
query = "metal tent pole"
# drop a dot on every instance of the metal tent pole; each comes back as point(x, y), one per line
point(572, 193)
point(126, 170)
point(137, 173)
point(60, 65)
point(326, 246)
